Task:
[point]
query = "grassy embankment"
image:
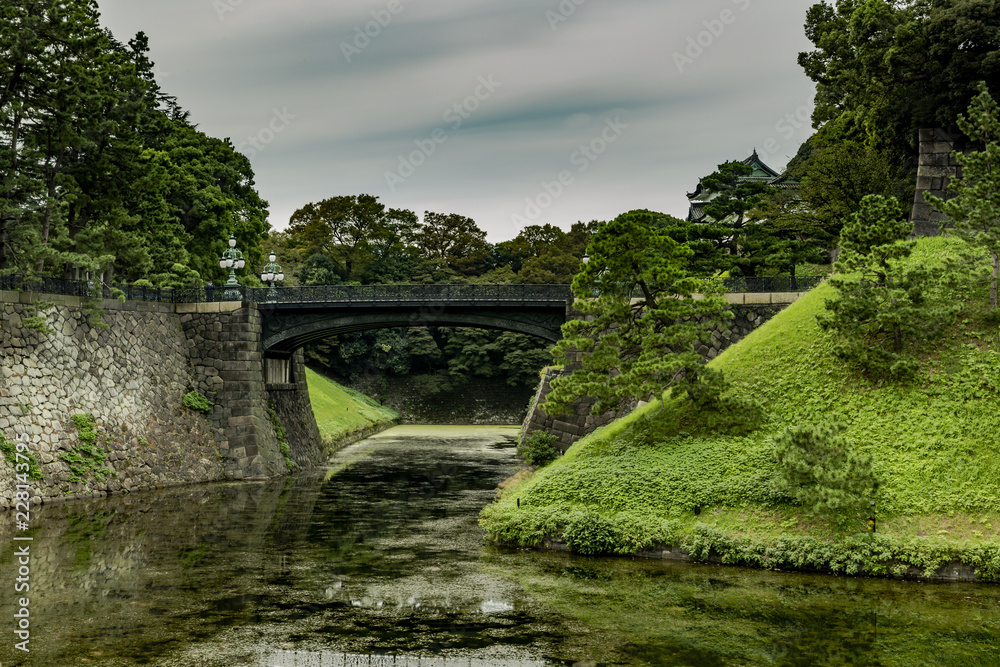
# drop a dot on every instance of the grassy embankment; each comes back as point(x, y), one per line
point(634, 485)
point(343, 415)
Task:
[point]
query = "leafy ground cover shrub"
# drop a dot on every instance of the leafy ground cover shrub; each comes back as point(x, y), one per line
point(279, 434)
point(538, 449)
point(818, 469)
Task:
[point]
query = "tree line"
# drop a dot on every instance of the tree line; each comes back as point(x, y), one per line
point(101, 171)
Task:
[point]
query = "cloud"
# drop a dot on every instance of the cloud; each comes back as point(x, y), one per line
point(355, 117)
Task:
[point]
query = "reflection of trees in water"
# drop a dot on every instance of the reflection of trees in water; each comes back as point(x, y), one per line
point(152, 574)
point(279, 658)
point(138, 567)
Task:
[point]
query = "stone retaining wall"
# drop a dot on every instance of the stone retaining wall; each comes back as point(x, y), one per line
point(131, 376)
point(936, 167)
point(749, 312)
point(293, 410)
point(480, 401)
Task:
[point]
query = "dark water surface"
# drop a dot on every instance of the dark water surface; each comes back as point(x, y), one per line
point(379, 561)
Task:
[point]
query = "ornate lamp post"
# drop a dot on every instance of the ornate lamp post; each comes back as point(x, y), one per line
point(272, 272)
point(232, 259)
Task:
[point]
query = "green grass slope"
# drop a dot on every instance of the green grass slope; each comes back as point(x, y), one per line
point(341, 412)
point(934, 442)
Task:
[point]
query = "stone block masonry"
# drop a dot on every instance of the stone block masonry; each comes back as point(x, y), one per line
point(293, 409)
point(479, 401)
point(748, 314)
point(936, 167)
point(131, 377)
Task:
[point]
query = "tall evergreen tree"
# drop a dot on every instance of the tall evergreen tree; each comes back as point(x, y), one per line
point(642, 321)
point(975, 209)
point(882, 303)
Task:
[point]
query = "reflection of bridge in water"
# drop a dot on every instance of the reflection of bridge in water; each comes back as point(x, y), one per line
point(308, 659)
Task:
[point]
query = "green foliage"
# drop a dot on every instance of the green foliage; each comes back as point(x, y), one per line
point(545, 254)
point(351, 232)
point(930, 441)
point(340, 411)
point(538, 449)
point(9, 450)
point(590, 534)
point(95, 313)
point(975, 209)
point(859, 554)
point(454, 241)
point(177, 277)
point(195, 400)
point(279, 434)
point(884, 69)
point(635, 348)
point(438, 358)
point(837, 172)
point(319, 269)
point(33, 320)
point(118, 182)
point(882, 301)
point(728, 216)
point(86, 457)
point(817, 468)
point(786, 234)
point(87, 428)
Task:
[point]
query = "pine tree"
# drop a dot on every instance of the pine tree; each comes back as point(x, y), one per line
point(642, 322)
point(882, 302)
point(817, 469)
point(975, 210)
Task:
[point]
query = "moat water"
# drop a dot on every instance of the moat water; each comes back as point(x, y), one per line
point(379, 560)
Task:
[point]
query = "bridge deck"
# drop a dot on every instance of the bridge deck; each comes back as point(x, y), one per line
point(352, 294)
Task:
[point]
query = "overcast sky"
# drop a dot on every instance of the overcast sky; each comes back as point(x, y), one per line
point(507, 111)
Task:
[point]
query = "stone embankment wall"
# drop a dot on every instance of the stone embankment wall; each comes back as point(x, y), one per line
point(749, 312)
point(936, 167)
point(130, 376)
point(480, 401)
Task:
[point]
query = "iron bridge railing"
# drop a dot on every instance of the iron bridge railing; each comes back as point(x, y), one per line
point(359, 293)
point(411, 293)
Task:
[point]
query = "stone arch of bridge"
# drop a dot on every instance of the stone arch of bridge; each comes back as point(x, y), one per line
point(287, 334)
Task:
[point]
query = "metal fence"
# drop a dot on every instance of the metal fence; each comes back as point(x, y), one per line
point(765, 284)
point(410, 293)
point(358, 293)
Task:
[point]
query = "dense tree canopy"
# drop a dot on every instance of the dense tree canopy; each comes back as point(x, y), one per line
point(99, 169)
point(884, 69)
point(353, 231)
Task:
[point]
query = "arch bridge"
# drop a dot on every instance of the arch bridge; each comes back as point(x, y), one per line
point(294, 316)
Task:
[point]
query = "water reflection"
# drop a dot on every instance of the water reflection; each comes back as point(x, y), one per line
point(306, 659)
point(383, 562)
